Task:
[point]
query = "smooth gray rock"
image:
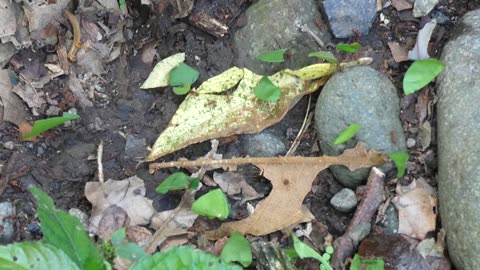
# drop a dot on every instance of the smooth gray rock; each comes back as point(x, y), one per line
point(136, 147)
point(423, 7)
point(274, 25)
point(348, 17)
point(363, 96)
point(7, 214)
point(263, 144)
point(344, 201)
point(459, 142)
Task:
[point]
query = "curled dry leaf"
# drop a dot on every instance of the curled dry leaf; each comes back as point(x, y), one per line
point(416, 205)
point(173, 222)
point(14, 110)
point(291, 179)
point(129, 194)
point(204, 115)
point(234, 184)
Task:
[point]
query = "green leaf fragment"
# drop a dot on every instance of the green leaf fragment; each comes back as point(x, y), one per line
point(237, 249)
point(34, 256)
point(304, 251)
point(400, 159)
point(266, 90)
point(347, 134)
point(214, 204)
point(329, 250)
point(182, 90)
point(130, 251)
point(367, 264)
point(160, 74)
point(177, 181)
point(327, 56)
point(41, 126)
point(65, 232)
point(273, 56)
point(421, 73)
point(184, 257)
point(183, 75)
point(349, 48)
point(118, 236)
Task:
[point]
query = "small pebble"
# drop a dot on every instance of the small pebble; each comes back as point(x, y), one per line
point(7, 212)
point(344, 201)
point(9, 145)
point(411, 142)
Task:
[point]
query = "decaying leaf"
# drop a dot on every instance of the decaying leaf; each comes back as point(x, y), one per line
point(172, 223)
point(160, 73)
point(203, 116)
point(34, 99)
point(420, 51)
point(128, 194)
point(13, 111)
point(234, 183)
point(416, 204)
point(399, 53)
point(291, 179)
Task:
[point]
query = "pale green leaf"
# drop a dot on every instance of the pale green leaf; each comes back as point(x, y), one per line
point(130, 251)
point(177, 181)
point(400, 159)
point(273, 56)
point(181, 90)
point(183, 75)
point(304, 251)
point(221, 83)
point(266, 90)
point(347, 134)
point(349, 48)
point(421, 73)
point(34, 256)
point(66, 233)
point(237, 249)
point(184, 257)
point(327, 56)
point(118, 236)
point(214, 204)
point(43, 125)
point(160, 74)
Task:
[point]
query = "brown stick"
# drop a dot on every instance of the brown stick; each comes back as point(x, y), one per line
point(76, 44)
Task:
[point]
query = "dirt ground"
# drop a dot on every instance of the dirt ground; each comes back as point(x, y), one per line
point(62, 160)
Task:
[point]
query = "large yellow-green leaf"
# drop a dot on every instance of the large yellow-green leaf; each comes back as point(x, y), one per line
point(160, 73)
point(211, 112)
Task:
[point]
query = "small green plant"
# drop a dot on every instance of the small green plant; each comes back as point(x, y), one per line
point(348, 48)
point(367, 264)
point(182, 77)
point(43, 125)
point(273, 56)
point(177, 181)
point(400, 159)
point(347, 134)
point(130, 251)
point(421, 73)
point(327, 56)
point(237, 249)
point(304, 251)
point(214, 204)
point(266, 90)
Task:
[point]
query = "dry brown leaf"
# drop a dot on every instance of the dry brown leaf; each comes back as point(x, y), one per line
point(174, 241)
point(139, 235)
point(34, 99)
point(399, 53)
point(172, 223)
point(402, 4)
point(234, 183)
point(128, 194)
point(291, 179)
point(75, 85)
point(14, 110)
point(416, 204)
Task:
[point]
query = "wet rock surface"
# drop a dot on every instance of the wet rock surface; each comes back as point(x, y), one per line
point(363, 96)
point(350, 17)
point(459, 142)
point(7, 228)
point(344, 201)
point(263, 144)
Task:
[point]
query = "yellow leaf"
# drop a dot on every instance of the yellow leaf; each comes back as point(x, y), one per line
point(160, 73)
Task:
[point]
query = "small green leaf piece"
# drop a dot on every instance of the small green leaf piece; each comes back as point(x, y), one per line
point(161, 72)
point(327, 56)
point(273, 56)
point(182, 75)
point(349, 48)
point(329, 250)
point(347, 134)
point(177, 181)
point(421, 73)
point(182, 258)
point(400, 159)
point(266, 90)
point(237, 249)
point(182, 90)
point(305, 251)
point(65, 232)
point(118, 236)
point(214, 204)
point(34, 255)
point(41, 126)
point(130, 251)
point(367, 264)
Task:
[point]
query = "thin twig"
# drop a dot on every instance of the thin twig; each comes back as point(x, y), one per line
point(99, 162)
point(305, 124)
point(304, 28)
